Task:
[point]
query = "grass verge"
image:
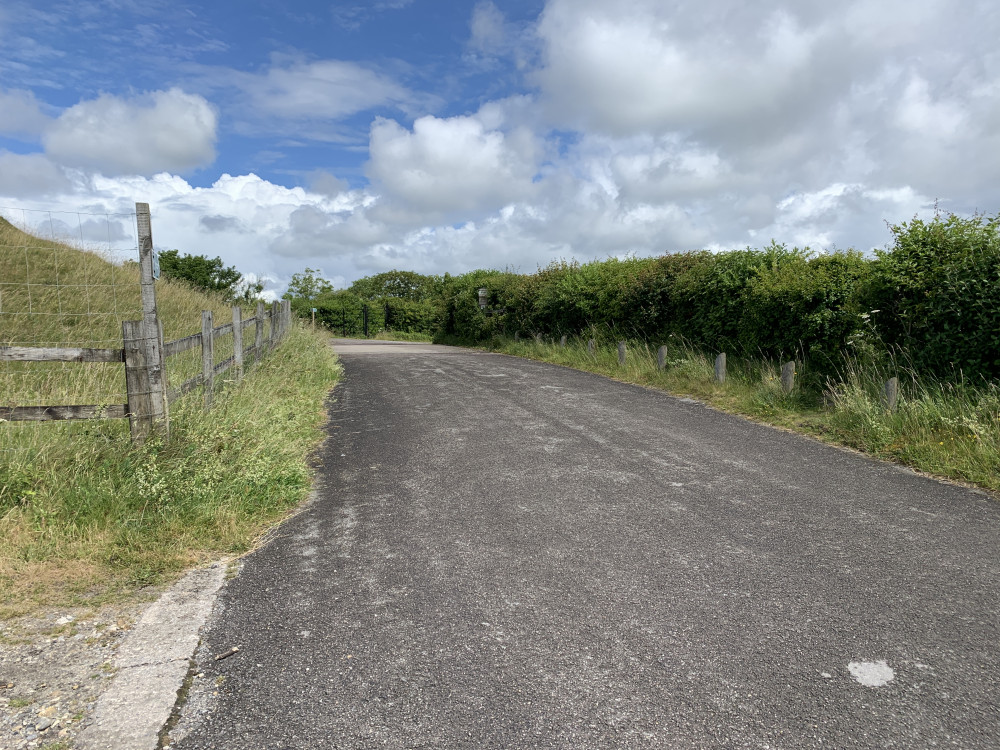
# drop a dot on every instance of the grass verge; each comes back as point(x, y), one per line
point(951, 430)
point(86, 517)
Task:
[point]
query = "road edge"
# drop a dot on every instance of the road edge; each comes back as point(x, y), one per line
point(151, 665)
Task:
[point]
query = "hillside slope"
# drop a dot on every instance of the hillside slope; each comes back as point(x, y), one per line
point(56, 295)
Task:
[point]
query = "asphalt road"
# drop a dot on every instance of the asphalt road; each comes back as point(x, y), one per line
point(508, 554)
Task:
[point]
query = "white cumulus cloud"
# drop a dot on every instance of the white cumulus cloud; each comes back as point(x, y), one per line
point(31, 175)
point(454, 165)
point(21, 114)
point(641, 126)
point(163, 130)
point(638, 66)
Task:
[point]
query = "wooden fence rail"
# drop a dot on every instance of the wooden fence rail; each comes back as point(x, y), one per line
point(50, 354)
point(263, 320)
point(144, 354)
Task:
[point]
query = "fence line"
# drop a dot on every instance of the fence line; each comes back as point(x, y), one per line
point(261, 321)
point(144, 354)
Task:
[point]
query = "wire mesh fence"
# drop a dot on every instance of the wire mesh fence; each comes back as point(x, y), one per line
point(85, 335)
point(67, 279)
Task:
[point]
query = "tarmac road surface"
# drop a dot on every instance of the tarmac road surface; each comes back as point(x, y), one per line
point(508, 554)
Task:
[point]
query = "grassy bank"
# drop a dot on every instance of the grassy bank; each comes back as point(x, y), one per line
point(85, 515)
point(947, 429)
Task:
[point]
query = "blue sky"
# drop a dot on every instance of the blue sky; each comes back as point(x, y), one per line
point(444, 136)
point(415, 58)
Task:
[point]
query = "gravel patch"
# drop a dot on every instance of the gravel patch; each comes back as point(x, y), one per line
point(53, 668)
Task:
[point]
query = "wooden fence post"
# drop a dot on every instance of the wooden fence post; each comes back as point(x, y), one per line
point(147, 284)
point(591, 346)
point(286, 316)
point(207, 356)
point(562, 341)
point(720, 368)
point(788, 377)
point(621, 352)
point(140, 378)
point(258, 334)
point(275, 323)
point(151, 336)
point(661, 358)
point(891, 393)
point(538, 338)
point(238, 342)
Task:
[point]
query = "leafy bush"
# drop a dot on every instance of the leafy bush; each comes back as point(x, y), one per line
point(803, 304)
point(342, 312)
point(408, 315)
point(210, 275)
point(938, 292)
point(714, 293)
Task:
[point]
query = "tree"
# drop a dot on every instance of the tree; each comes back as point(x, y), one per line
point(401, 284)
point(307, 286)
point(208, 274)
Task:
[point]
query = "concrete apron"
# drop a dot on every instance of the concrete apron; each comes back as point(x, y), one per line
point(151, 665)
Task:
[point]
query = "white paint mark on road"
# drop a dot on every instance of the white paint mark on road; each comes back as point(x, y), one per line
point(871, 673)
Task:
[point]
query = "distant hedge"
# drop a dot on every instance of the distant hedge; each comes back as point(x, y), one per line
point(934, 295)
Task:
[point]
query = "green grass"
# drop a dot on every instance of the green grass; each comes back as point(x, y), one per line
point(85, 515)
point(950, 430)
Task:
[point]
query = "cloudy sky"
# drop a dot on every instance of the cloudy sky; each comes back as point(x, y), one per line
point(437, 135)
